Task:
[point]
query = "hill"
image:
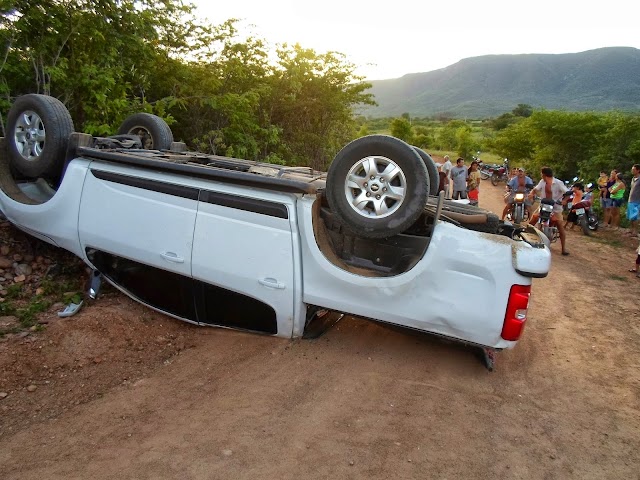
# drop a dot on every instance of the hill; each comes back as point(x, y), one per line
point(486, 86)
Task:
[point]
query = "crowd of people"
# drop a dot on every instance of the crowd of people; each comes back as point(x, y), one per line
point(611, 193)
point(612, 189)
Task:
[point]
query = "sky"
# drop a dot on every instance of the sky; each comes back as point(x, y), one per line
point(391, 39)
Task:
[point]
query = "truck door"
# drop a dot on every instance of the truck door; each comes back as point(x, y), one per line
point(139, 232)
point(243, 261)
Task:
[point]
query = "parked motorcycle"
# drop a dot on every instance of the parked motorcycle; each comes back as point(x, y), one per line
point(500, 175)
point(494, 170)
point(487, 169)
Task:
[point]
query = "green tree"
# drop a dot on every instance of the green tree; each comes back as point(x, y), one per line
point(364, 130)
point(95, 55)
point(523, 110)
point(220, 99)
point(564, 139)
point(401, 128)
point(423, 137)
point(106, 59)
point(465, 145)
point(448, 135)
point(618, 145)
point(515, 143)
point(312, 101)
point(503, 121)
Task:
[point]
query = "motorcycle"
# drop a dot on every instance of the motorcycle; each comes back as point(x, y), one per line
point(546, 223)
point(585, 216)
point(486, 170)
point(500, 172)
point(500, 175)
point(518, 212)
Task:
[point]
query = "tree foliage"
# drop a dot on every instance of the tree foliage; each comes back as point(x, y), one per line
point(572, 143)
point(106, 59)
point(401, 128)
point(465, 144)
point(522, 110)
point(98, 56)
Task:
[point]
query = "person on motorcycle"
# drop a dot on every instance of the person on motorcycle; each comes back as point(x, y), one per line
point(577, 196)
point(520, 183)
point(550, 187)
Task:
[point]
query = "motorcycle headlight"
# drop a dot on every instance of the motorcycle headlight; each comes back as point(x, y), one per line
point(546, 208)
point(519, 197)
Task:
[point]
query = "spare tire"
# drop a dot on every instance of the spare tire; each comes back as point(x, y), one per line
point(153, 131)
point(432, 170)
point(377, 185)
point(38, 129)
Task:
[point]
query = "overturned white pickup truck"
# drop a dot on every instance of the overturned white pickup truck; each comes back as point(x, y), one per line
point(234, 243)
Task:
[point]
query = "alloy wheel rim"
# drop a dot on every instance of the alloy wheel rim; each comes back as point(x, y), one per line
point(29, 135)
point(375, 187)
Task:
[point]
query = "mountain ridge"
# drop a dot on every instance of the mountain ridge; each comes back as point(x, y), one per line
point(479, 87)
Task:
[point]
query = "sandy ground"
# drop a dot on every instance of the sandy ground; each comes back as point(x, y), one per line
point(124, 393)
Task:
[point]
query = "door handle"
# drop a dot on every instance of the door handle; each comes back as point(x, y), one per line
point(271, 283)
point(172, 257)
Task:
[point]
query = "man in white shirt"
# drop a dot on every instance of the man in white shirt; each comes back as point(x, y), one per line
point(446, 168)
point(550, 187)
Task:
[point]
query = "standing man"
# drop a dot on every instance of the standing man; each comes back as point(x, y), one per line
point(459, 175)
point(446, 169)
point(550, 187)
point(634, 200)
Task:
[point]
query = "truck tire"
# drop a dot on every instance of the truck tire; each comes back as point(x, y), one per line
point(153, 131)
point(378, 186)
point(38, 129)
point(432, 170)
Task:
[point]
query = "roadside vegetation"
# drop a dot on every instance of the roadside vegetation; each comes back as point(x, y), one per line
point(221, 93)
point(47, 280)
point(228, 94)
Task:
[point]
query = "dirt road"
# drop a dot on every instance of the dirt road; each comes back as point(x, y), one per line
point(124, 393)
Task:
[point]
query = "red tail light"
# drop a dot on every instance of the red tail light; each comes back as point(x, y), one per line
point(516, 315)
